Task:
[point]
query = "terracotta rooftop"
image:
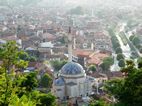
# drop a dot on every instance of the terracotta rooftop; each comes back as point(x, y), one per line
point(97, 58)
point(92, 57)
point(48, 36)
point(12, 37)
point(85, 53)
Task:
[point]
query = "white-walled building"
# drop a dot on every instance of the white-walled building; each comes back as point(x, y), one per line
point(72, 82)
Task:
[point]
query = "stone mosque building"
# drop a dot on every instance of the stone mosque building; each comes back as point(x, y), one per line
point(72, 80)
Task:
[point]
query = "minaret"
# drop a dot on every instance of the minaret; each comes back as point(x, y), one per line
point(69, 45)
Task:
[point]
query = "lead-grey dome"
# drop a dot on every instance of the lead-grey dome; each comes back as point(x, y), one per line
point(72, 68)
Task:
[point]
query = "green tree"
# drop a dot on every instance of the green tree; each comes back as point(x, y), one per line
point(121, 63)
point(136, 41)
point(47, 100)
point(139, 62)
point(23, 101)
point(9, 56)
point(30, 81)
point(131, 37)
point(57, 65)
point(92, 68)
point(118, 50)
point(98, 103)
point(120, 56)
point(46, 81)
point(16, 88)
point(107, 62)
point(129, 67)
point(25, 56)
point(140, 49)
point(128, 89)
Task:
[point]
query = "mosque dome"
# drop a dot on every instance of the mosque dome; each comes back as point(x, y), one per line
point(72, 68)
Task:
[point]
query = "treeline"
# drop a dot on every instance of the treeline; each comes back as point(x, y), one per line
point(136, 42)
point(18, 88)
point(127, 90)
point(117, 48)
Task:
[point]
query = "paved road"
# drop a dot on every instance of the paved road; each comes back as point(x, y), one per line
point(129, 42)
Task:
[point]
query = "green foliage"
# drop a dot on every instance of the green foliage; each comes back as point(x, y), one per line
point(118, 50)
point(114, 87)
point(121, 63)
point(107, 62)
point(57, 65)
point(98, 103)
point(127, 90)
point(16, 88)
point(32, 59)
point(136, 41)
point(120, 56)
point(131, 37)
point(9, 56)
point(139, 62)
point(140, 49)
point(26, 57)
point(63, 40)
point(46, 100)
point(123, 38)
point(114, 40)
point(29, 82)
point(46, 81)
point(110, 59)
point(23, 101)
point(92, 68)
point(129, 67)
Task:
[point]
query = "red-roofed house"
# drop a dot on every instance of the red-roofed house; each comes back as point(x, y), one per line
point(88, 57)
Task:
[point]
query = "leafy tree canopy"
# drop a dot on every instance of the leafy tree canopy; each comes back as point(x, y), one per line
point(120, 56)
point(107, 62)
point(118, 50)
point(57, 65)
point(17, 88)
point(121, 63)
point(92, 68)
point(46, 81)
point(127, 90)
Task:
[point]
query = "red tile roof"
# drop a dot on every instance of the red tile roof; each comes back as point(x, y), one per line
point(92, 57)
point(85, 53)
point(97, 58)
point(48, 36)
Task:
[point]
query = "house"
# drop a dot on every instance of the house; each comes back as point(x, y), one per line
point(100, 78)
point(98, 41)
point(89, 57)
